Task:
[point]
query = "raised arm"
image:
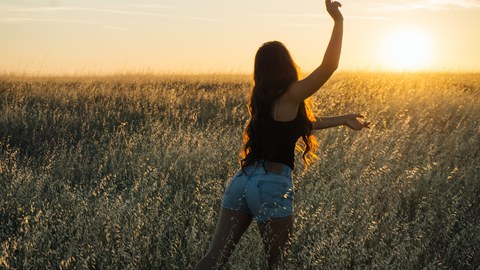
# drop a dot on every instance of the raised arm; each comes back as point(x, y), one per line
point(302, 89)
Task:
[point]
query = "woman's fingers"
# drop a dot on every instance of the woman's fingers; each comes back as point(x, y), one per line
point(356, 124)
point(365, 124)
point(332, 4)
point(333, 9)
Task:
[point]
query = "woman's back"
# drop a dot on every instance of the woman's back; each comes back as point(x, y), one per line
point(283, 137)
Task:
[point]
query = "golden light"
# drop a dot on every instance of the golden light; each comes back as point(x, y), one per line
point(406, 49)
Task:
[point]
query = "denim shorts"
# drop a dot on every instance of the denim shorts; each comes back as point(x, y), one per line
point(259, 193)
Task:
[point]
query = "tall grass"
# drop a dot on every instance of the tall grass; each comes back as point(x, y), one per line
point(129, 171)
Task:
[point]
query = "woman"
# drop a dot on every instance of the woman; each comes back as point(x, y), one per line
point(280, 115)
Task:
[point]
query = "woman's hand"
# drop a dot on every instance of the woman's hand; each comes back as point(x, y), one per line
point(332, 9)
point(351, 121)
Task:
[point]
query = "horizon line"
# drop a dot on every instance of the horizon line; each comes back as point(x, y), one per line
point(4, 74)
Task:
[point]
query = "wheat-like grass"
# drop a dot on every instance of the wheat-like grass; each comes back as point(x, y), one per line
point(128, 172)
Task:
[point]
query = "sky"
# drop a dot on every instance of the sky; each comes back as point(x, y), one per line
point(202, 36)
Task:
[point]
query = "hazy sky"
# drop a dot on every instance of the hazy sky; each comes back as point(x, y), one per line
point(92, 36)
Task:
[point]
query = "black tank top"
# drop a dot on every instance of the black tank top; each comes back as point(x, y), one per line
point(285, 135)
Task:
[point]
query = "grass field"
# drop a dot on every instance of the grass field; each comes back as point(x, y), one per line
point(128, 172)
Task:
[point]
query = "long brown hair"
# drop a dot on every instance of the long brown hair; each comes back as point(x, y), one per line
point(274, 72)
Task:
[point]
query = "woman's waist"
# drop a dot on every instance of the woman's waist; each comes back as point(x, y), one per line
point(268, 167)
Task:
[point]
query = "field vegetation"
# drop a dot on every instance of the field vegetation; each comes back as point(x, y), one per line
point(128, 172)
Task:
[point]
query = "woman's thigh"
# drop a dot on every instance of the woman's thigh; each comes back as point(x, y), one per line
point(230, 227)
point(276, 235)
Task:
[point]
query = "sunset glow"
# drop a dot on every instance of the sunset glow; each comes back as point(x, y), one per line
point(406, 49)
point(105, 36)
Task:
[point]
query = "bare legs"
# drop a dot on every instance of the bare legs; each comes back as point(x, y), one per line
point(230, 227)
point(276, 235)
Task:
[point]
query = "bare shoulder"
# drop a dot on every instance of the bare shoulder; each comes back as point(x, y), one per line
point(302, 89)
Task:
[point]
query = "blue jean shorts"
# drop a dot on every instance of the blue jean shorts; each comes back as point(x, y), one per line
point(260, 194)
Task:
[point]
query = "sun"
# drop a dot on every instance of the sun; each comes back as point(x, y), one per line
point(406, 49)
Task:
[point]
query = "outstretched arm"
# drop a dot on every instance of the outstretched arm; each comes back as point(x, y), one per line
point(302, 89)
point(349, 120)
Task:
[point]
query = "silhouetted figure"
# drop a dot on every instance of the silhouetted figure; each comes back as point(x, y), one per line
point(279, 116)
